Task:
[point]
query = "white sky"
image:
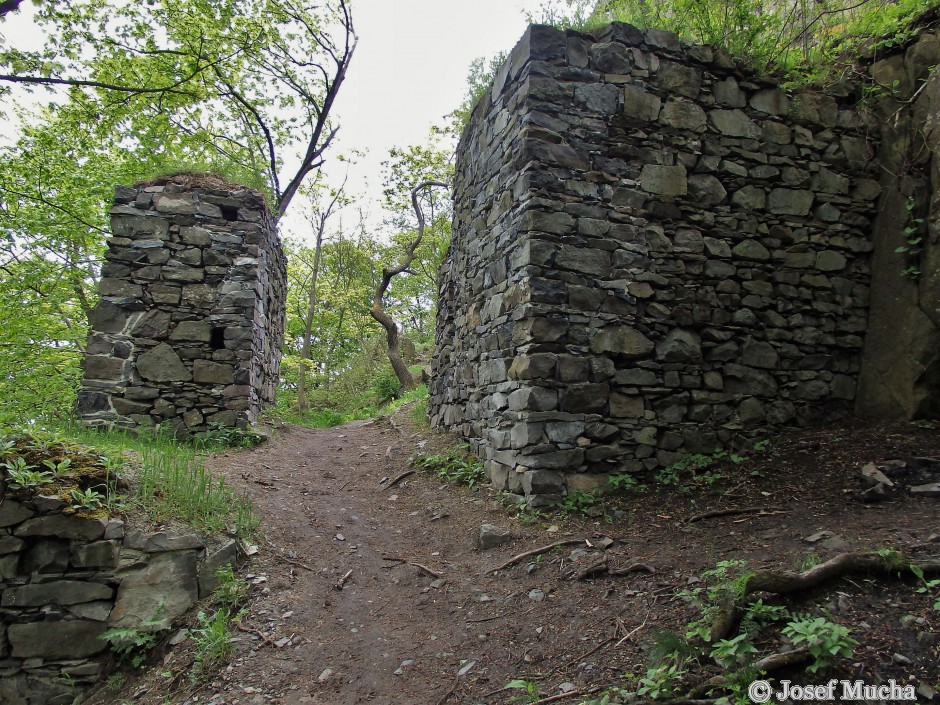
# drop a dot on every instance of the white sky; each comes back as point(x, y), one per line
point(408, 72)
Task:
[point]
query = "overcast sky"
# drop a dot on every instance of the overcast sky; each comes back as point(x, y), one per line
point(408, 72)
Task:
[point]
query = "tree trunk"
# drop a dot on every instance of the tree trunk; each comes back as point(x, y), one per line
point(378, 311)
point(302, 404)
point(393, 338)
point(322, 216)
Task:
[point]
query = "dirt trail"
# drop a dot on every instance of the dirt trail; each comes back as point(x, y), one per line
point(396, 634)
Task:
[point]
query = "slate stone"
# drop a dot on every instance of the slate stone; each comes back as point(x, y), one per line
point(662, 39)
point(727, 92)
point(52, 640)
point(176, 204)
point(207, 372)
point(99, 554)
point(10, 544)
point(542, 482)
point(584, 398)
point(97, 611)
point(675, 78)
point(60, 592)
point(830, 261)
point(598, 98)
point(623, 406)
point(104, 367)
point(536, 366)
point(751, 250)
point(611, 57)
point(586, 260)
point(161, 541)
point(50, 556)
point(533, 399)
point(153, 324)
point(679, 345)
point(167, 585)
point(621, 341)
point(740, 379)
point(790, 201)
point(815, 108)
point(772, 101)
point(664, 180)
point(162, 364)
point(223, 555)
point(750, 197)
point(64, 526)
point(683, 115)
point(706, 189)
point(559, 155)
point(639, 104)
point(756, 353)
point(13, 512)
point(733, 123)
point(492, 536)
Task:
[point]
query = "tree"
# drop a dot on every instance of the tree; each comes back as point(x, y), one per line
point(243, 82)
point(378, 312)
point(242, 89)
point(320, 217)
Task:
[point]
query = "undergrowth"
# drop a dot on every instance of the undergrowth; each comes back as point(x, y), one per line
point(455, 465)
point(167, 477)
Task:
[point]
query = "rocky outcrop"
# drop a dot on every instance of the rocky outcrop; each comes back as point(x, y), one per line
point(66, 579)
point(190, 323)
point(652, 255)
point(901, 369)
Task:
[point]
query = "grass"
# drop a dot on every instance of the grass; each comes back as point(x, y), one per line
point(361, 407)
point(170, 479)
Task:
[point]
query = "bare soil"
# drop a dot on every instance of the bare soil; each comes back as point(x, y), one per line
point(346, 605)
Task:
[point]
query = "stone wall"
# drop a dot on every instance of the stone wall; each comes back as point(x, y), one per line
point(901, 365)
point(653, 254)
point(66, 579)
point(190, 323)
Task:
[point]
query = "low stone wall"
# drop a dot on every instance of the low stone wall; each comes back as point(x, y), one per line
point(66, 579)
point(653, 254)
point(190, 323)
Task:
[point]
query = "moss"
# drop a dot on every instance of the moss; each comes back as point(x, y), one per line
point(85, 469)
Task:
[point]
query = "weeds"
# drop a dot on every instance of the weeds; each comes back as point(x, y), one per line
point(529, 691)
point(826, 641)
point(218, 437)
point(231, 590)
point(928, 586)
point(213, 640)
point(131, 645)
point(693, 464)
point(457, 465)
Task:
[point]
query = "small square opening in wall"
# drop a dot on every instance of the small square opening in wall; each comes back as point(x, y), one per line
point(229, 212)
point(217, 339)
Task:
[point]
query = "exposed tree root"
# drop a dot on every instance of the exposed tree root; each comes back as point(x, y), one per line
point(785, 581)
point(601, 566)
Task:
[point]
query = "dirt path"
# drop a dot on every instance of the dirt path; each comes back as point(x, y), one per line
point(397, 634)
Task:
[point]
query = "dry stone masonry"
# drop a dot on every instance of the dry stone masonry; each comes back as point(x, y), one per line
point(66, 579)
point(653, 255)
point(190, 323)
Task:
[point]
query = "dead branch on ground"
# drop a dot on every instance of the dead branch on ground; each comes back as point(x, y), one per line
point(535, 552)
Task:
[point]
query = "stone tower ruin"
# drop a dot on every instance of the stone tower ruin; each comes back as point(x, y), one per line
point(190, 324)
